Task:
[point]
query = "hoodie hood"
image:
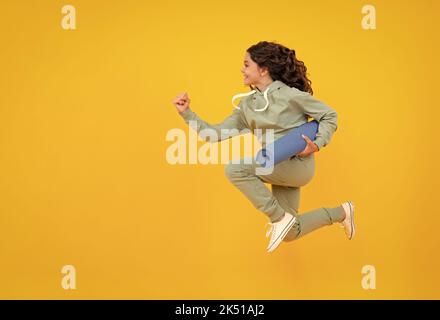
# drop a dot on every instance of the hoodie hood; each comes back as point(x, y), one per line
point(274, 85)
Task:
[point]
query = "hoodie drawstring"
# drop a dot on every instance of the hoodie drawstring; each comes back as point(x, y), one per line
point(249, 93)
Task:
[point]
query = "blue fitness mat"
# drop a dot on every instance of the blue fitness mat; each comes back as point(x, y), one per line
point(288, 145)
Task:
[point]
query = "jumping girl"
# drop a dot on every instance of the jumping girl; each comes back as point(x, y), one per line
point(280, 99)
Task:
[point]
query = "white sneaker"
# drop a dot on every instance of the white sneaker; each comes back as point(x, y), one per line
point(348, 223)
point(279, 231)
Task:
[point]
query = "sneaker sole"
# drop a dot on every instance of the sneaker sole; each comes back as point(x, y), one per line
point(351, 220)
point(282, 235)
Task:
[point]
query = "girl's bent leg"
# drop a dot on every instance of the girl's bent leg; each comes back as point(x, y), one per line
point(244, 177)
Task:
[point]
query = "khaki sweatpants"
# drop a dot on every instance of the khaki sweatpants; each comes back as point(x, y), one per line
point(286, 179)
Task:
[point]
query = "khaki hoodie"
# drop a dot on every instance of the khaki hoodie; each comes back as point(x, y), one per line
point(279, 107)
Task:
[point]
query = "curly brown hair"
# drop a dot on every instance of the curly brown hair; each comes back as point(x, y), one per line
point(282, 64)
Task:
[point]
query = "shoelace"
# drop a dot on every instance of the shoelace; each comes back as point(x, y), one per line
point(248, 94)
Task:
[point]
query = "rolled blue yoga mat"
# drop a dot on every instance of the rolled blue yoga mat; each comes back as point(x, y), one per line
point(288, 145)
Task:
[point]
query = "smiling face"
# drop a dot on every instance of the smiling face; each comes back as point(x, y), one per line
point(250, 70)
point(252, 73)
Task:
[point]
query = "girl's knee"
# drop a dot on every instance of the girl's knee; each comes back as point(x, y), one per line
point(237, 170)
point(232, 170)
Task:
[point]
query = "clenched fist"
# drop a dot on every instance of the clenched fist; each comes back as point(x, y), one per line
point(182, 102)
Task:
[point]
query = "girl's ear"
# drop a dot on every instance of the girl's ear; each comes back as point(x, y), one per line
point(263, 71)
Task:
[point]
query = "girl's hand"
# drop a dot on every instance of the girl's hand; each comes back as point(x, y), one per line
point(309, 149)
point(182, 102)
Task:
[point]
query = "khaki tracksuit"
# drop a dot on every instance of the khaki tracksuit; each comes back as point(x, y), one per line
point(280, 108)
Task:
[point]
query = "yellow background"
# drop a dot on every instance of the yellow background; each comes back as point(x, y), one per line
point(84, 179)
